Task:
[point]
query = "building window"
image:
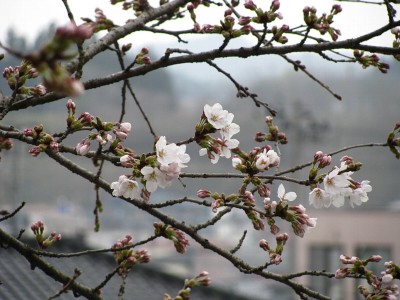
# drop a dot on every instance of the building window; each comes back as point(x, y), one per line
point(326, 257)
point(365, 251)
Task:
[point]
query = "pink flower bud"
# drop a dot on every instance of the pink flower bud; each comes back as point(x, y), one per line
point(203, 194)
point(35, 151)
point(83, 147)
point(375, 258)
point(341, 273)
point(264, 245)
point(28, 132)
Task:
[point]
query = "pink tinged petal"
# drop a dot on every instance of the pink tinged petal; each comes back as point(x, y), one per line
point(126, 127)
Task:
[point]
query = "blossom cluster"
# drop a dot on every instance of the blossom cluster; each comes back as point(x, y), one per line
point(102, 134)
point(275, 254)
point(17, 76)
point(43, 140)
point(215, 118)
point(339, 186)
point(159, 170)
point(382, 287)
point(323, 23)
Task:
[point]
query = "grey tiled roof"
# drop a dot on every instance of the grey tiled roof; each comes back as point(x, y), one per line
point(19, 282)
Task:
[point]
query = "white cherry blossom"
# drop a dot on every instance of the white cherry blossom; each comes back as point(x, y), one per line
point(229, 130)
point(154, 178)
point(359, 195)
point(319, 198)
point(171, 153)
point(125, 187)
point(335, 183)
point(217, 116)
point(285, 196)
point(267, 159)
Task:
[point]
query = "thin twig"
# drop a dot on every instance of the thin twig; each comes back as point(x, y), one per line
point(8, 216)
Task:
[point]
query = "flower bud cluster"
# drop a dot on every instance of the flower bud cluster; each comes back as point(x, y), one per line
point(221, 199)
point(102, 133)
point(213, 119)
point(370, 60)
point(273, 135)
point(173, 234)
point(382, 287)
point(17, 76)
point(393, 140)
point(44, 243)
point(143, 58)
point(126, 257)
point(323, 23)
point(321, 160)
point(200, 280)
point(264, 17)
point(339, 186)
point(101, 21)
point(43, 140)
point(226, 26)
point(275, 254)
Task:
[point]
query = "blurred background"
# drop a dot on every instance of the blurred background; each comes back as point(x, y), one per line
point(174, 98)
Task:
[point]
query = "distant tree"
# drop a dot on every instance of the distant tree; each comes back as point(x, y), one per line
point(60, 65)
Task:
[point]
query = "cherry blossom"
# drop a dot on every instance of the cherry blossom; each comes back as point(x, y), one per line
point(359, 195)
point(319, 198)
point(267, 159)
point(336, 183)
point(125, 187)
point(83, 147)
point(217, 116)
point(226, 146)
point(171, 153)
point(229, 130)
point(285, 196)
point(154, 178)
point(126, 161)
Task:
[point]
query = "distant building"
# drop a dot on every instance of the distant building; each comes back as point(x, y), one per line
point(145, 282)
point(353, 233)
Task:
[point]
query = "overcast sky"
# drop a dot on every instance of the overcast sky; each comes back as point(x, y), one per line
point(29, 17)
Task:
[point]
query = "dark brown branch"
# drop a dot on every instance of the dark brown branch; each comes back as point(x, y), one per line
point(241, 53)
